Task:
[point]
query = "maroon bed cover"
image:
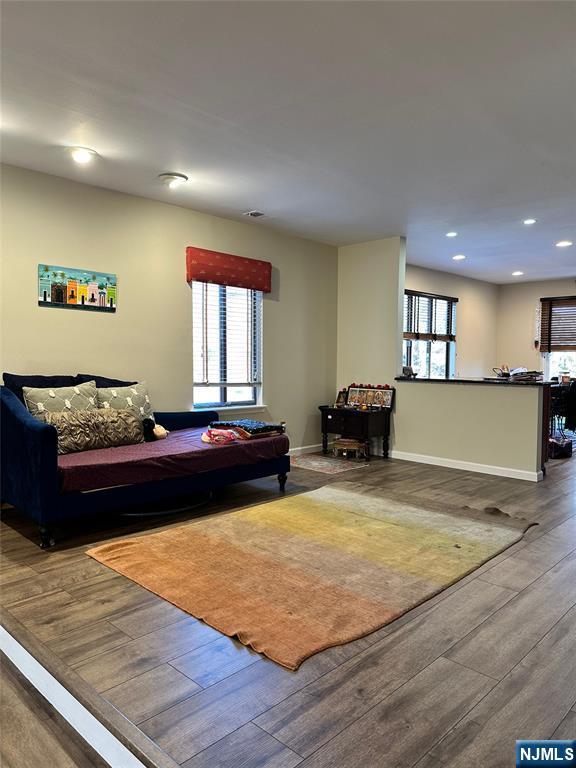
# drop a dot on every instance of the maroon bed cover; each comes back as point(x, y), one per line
point(182, 453)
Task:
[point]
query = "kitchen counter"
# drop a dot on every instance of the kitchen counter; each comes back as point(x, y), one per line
point(495, 381)
point(474, 424)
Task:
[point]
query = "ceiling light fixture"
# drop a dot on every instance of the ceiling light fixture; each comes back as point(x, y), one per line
point(517, 273)
point(451, 234)
point(458, 257)
point(528, 222)
point(564, 243)
point(82, 155)
point(173, 180)
point(253, 214)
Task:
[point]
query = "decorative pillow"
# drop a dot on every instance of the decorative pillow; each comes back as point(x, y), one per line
point(82, 397)
point(102, 381)
point(15, 381)
point(100, 428)
point(133, 398)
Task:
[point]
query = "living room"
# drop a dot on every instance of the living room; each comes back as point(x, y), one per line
point(289, 390)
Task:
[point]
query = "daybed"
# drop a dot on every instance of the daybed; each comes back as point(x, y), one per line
point(51, 488)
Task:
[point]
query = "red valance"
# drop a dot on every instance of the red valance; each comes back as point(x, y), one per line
point(224, 269)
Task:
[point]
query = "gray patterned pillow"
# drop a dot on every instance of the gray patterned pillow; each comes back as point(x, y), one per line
point(101, 428)
point(39, 402)
point(133, 398)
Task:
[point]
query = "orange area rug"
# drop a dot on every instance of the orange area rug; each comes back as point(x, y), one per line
point(294, 576)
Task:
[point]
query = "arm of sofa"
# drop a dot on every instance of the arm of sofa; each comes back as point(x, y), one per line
point(173, 420)
point(29, 461)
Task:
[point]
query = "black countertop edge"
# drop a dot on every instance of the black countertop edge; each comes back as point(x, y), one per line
point(490, 382)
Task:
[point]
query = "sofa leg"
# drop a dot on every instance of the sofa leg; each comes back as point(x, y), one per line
point(282, 481)
point(46, 538)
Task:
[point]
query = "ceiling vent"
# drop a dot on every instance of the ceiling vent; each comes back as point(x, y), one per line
point(253, 214)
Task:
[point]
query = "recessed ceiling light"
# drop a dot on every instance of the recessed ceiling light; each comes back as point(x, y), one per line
point(451, 234)
point(82, 155)
point(564, 243)
point(458, 257)
point(517, 273)
point(173, 180)
point(528, 222)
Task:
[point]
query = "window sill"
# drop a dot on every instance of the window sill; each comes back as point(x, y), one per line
point(234, 408)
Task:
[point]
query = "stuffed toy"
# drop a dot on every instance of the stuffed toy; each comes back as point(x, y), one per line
point(148, 426)
point(160, 432)
point(153, 431)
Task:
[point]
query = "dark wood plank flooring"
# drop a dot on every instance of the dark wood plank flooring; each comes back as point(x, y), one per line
point(452, 683)
point(33, 734)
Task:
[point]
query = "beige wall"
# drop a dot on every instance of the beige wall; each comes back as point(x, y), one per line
point(495, 323)
point(485, 425)
point(476, 317)
point(517, 305)
point(370, 301)
point(312, 342)
point(448, 424)
point(51, 220)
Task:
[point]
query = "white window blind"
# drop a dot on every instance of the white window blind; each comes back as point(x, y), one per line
point(429, 317)
point(429, 346)
point(227, 344)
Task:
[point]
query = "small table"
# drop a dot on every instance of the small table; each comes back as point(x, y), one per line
point(352, 422)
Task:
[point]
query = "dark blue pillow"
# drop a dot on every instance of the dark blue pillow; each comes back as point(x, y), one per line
point(15, 381)
point(102, 381)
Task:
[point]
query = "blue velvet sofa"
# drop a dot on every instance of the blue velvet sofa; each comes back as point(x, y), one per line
point(29, 471)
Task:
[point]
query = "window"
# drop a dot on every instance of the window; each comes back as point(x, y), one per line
point(558, 334)
point(558, 324)
point(227, 345)
point(559, 363)
point(430, 334)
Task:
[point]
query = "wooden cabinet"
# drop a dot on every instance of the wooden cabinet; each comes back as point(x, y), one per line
point(361, 425)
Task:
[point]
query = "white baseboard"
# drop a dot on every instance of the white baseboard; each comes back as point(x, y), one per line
point(305, 449)
point(469, 466)
point(112, 751)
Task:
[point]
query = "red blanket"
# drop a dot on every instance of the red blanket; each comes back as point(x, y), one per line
point(182, 453)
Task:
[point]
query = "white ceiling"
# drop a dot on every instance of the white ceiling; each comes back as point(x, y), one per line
point(342, 121)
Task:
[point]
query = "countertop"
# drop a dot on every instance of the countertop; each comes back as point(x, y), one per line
point(497, 382)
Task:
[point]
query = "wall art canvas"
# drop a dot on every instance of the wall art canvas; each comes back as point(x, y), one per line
point(69, 288)
point(374, 397)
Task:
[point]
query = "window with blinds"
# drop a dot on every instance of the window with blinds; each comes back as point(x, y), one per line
point(227, 345)
point(558, 324)
point(430, 334)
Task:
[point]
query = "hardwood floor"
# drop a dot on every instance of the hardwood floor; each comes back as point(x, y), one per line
point(33, 734)
point(452, 683)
